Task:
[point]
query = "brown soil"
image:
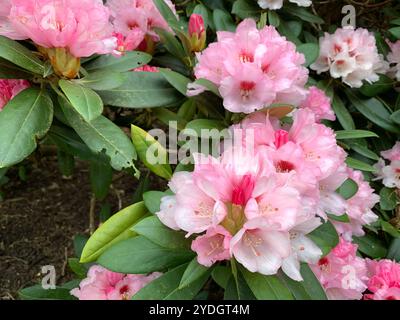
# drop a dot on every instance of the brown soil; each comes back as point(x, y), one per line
point(39, 218)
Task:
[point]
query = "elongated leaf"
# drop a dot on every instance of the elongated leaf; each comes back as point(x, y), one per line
point(130, 60)
point(100, 178)
point(341, 218)
point(371, 246)
point(24, 119)
point(394, 250)
point(140, 255)
point(354, 134)
point(223, 21)
point(167, 13)
point(266, 287)
point(374, 111)
point(166, 287)
point(115, 229)
point(85, 101)
point(154, 230)
point(390, 229)
point(395, 117)
point(342, 114)
point(348, 189)
point(325, 237)
point(206, 124)
point(373, 89)
point(388, 199)
point(21, 56)
point(221, 275)
point(38, 293)
point(152, 200)
point(193, 272)
point(178, 81)
point(142, 90)
point(310, 51)
point(238, 290)
point(364, 151)
point(359, 165)
point(171, 43)
point(151, 152)
point(246, 9)
point(311, 284)
point(303, 14)
point(101, 134)
point(102, 80)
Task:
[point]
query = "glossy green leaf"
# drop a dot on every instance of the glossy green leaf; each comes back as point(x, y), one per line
point(354, 134)
point(178, 81)
point(246, 9)
point(140, 255)
point(359, 165)
point(342, 114)
point(388, 198)
point(395, 32)
point(102, 80)
point(311, 284)
point(157, 232)
point(325, 237)
point(193, 272)
point(25, 118)
point(364, 151)
point(151, 152)
point(266, 287)
point(77, 267)
point(101, 175)
point(378, 87)
point(390, 229)
point(204, 124)
point(303, 14)
point(152, 200)
point(394, 250)
point(221, 275)
point(310, 51)
point(166, 287)
point(395, 117)
point(102, 134)
point(142, 90)
point(374, 111)
point(371, 246)
point(85, 101)
point(38, 293)
point(16, 53)
point(130, 60)
point(238, 290)
point(348, 189)
point(167, 13)
point(223, 21)
point(114, 230)
point(341, 218)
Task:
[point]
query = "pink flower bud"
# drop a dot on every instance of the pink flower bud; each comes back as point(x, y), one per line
point(197, 32)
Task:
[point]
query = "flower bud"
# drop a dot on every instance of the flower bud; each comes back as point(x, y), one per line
point(63, 62)
point(197, 33)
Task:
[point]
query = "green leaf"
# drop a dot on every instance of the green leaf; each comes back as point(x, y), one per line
point(66, 163)
point(102, 80)
point(359, 165)
point(303, 14)
point(342, 114)
point(238, 290)
point(38, 293)
point(221, 275)
point(364, 151)
point(171, 43)
point(193, 272)
point(325, 237)
point(130, 60)
point(77, 268)
point(151, 152)
point(310, 51)
point(140, 255)
point(85, 101)
point(342, 218)
point(348, 189)
point(374, 111)
point(395, 117)
point(210, 86)
point(266, 287)
point(206, 124)
point(101, 175)
point(26, 118)
point(167, 13)
point(16, 53)
point(11, 71)
point(154, 230)
point(152, 200)
point(246, 9)
point(114, 230)
point(166, 287)
point(311, 284)
point(388, 228)
point(142, 90)
point(378, 87)
point(371, 246)
point(102, 134)
point(223, 21)
point(388, 199)
point(273, 19)
point(394, 250)
point(395, 32)
point(79, 243)
point(203, 11)
point(178, 81)
point(354, 134)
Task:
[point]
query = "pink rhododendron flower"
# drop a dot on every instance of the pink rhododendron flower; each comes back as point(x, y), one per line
point(384, 282)
point(9, 89)
point(342, 274)
point(277, 4)
point(102, 284)
point(253, 68)
point(350, 54)
point(197, 32)
point(358, 208)
point(393, 58)
point(133, 20)
point(319, 103)
point(80, 26)
point(390, 174)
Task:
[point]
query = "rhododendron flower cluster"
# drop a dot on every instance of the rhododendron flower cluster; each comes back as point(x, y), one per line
point(102, 284)
point(350, 54)
point(253, 68)
point(384, 282)
point(9, 89)
point(319, 103)
point(390, 174)
point(258, 206)
point(133, 20)
point(342, 274)
point(277, 4)
point(80, 26)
